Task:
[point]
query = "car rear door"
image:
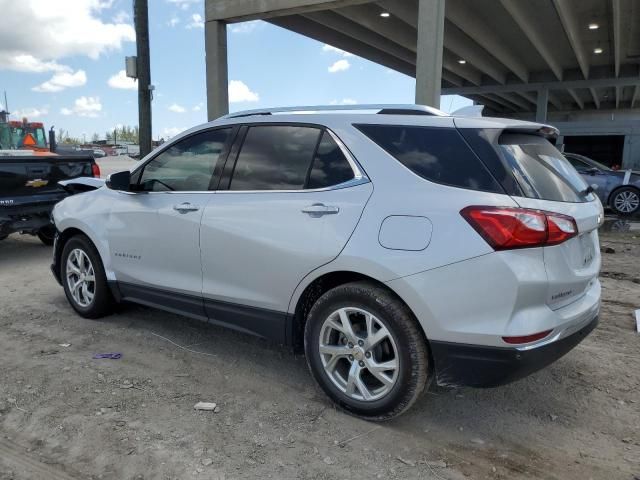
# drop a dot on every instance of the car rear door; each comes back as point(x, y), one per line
point(550, 183)
point(288, 202)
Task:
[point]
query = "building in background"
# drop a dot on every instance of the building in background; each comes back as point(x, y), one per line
point(571, 63)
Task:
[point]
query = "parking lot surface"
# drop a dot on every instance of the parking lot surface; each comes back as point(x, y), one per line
point(66, 415)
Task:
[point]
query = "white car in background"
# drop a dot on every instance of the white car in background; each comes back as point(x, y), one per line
point(397, 244)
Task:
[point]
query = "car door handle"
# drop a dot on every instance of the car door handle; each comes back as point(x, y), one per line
point(320, 209)
point(186, 207)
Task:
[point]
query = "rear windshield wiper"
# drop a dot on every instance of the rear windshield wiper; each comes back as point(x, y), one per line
point(588, 190)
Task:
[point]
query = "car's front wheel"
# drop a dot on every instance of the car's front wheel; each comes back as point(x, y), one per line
point(83, 278)
point(626, 201)
point(366, 351)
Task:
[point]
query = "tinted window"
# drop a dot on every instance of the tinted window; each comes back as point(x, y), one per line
point(437, 154)
point(541, 170)
point(187, 165)
point(275, 157)
point(579, 165)
point(330, 167)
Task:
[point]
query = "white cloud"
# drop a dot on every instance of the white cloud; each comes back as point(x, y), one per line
point(329, 48)
point(30, 112)
point(173, 21)
point(29, 63)
point(62, 80)
point(84, 107)
point(344, 101)
point(121, 17)
point(174, 107)
point(244, 27)
point(120, 80)
point(183, 4)
point(42, 32)
point(196, 21)
point(198, 107)
point(339, 66)
point(169, 132)
point(240, 92)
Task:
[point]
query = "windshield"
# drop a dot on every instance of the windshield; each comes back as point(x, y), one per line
point(38, 135)
point(541, 170)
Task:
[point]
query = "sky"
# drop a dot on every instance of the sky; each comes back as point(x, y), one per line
point(62, 62)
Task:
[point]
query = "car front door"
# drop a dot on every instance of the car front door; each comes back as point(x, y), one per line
point(288, 202)
point(154, 230)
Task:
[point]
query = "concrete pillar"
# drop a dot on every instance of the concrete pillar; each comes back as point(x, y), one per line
point(541, 106)
point(429, 52)
point(215, 45)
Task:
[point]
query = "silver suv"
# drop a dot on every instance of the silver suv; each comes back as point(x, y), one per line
point(397, 244)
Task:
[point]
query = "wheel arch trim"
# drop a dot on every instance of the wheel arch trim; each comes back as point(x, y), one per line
point(336, 276)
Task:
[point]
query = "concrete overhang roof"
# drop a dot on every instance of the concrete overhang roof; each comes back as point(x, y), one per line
point(511, 48)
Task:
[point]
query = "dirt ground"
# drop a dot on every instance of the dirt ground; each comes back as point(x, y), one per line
point(64, 415)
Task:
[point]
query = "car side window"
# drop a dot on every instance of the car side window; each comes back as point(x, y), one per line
point(186, 166)
point(330, 167)
point(275, 157)
point(579, 165)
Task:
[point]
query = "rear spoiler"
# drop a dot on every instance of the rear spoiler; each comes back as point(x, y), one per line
point(546, 131)
point(508, 125)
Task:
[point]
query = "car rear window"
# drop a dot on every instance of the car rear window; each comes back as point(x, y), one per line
point(541, 170)
point(437, 154)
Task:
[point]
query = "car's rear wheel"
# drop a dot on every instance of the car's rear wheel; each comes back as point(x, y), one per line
point(626, 201)
point(366, 351)
point(84, 280)
point(47, 234)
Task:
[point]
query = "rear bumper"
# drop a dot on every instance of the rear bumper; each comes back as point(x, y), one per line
point(27, 217)
point(479, 366)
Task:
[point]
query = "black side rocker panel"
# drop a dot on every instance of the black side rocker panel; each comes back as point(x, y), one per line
point(264, 323)
point(477, 366)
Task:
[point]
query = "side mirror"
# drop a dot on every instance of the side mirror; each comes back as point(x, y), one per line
point(593, 171)
point(119, 181)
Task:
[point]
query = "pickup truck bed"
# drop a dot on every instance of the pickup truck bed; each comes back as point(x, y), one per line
point(29, 189)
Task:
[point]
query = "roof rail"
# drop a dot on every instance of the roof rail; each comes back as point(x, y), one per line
point(374, 108)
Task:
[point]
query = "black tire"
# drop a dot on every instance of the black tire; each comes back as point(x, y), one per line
point(47, 234)
point(412, 351)
point(618, 195)
point(102, 303)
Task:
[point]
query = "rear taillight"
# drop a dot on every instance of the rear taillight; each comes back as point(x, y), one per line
point(95, 170)
point(506, 228)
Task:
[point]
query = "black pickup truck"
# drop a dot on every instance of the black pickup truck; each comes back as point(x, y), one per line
point(29, 189)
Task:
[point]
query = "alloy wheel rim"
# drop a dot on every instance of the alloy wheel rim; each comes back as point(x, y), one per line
point(359, 354)
point(81, 277)
point(627, 202)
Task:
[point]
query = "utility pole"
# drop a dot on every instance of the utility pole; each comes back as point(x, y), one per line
point(141, 20)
